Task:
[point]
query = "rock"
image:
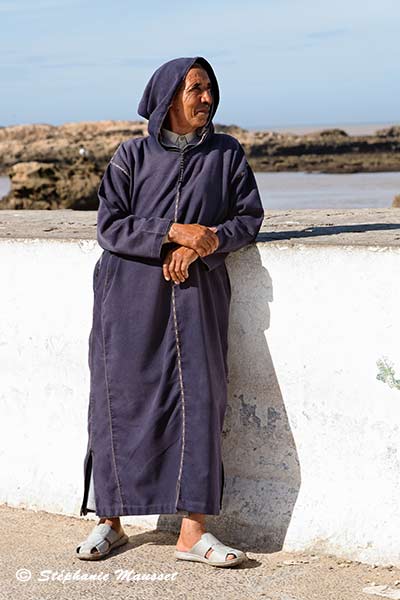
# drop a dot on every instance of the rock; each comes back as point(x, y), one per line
point(61, 166)
point(389, 132)
point(61, 144)
point(333, 132)
point(38, 185)
point(396, 202)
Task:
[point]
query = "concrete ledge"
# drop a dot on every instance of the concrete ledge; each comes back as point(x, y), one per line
point(311, 438)
point(363, 226)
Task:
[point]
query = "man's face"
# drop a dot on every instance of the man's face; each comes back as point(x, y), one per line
point(192, 102)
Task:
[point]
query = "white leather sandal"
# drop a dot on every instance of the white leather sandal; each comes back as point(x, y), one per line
point(101, 540)
point(218, 556)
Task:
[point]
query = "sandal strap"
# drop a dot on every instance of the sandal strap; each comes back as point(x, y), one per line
point(102, 536)
point(220, 550)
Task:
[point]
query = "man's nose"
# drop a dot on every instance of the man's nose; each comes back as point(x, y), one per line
point(206, 96)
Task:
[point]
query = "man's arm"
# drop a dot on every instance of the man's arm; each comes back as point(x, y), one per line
point(246, 213)
point(117, 229)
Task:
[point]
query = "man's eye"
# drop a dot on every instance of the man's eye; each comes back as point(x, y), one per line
point(197, 88)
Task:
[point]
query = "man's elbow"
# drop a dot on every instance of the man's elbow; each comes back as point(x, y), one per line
point(103, 238)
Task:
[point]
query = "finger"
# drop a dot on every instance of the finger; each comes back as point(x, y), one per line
point(178, 270)
point(184, 269)
point(170, 268)
point(174, 269)
point(209, 242)
point(166, 271)
point(215, 240)
point(206, 244)
point(166, 265)
point(201, 250)
point(213, 244)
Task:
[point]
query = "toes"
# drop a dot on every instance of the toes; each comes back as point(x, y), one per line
point(93, 550)
point(229, 556)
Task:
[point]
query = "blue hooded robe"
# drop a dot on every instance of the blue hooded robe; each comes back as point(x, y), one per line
point(158, 350)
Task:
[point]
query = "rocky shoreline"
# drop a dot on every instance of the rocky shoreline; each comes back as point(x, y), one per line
point(61, 166)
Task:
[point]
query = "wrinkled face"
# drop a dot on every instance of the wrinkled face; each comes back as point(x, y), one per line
point(192, 102)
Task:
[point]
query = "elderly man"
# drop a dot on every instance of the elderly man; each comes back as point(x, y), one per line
point(173, 204)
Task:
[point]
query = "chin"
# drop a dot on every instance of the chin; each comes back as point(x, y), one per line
point(201, 120)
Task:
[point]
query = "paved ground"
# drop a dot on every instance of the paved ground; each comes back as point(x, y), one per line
point(39, 545)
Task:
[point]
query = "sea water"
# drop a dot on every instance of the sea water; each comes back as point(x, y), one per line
point(316, 190)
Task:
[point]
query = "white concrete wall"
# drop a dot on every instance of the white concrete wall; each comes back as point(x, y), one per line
point(311, 437)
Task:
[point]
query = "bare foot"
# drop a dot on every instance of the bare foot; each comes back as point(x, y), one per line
point(192, 528)
point(114, 522)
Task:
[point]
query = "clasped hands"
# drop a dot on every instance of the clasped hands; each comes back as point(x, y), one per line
point(194, 240)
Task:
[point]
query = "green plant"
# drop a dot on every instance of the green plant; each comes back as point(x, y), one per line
point(386, 373)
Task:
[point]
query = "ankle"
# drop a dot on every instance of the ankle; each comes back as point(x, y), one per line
point(114, 522)
point(192, 527)
point(193, 520)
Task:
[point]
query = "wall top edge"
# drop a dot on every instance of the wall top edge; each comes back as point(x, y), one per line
point(337, 227)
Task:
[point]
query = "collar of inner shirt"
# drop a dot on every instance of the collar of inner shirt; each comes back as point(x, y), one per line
point(176, 140)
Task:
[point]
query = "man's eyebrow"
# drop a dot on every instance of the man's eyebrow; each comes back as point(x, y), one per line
point(198, 83)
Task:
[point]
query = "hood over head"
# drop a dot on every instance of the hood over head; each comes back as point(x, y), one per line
point(161, 88)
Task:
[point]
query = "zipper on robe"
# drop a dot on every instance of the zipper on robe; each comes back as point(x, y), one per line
point(178, 348)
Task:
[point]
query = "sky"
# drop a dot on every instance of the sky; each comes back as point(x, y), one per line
point(278, 62)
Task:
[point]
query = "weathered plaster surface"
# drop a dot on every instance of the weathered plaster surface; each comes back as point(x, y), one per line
point(311, 436)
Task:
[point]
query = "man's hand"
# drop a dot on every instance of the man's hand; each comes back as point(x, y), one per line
point(176, 263)
point(200, 238)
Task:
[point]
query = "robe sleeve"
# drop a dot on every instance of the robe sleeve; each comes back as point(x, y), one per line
point(165, 240)
point(246, 213)
point(118, 230)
